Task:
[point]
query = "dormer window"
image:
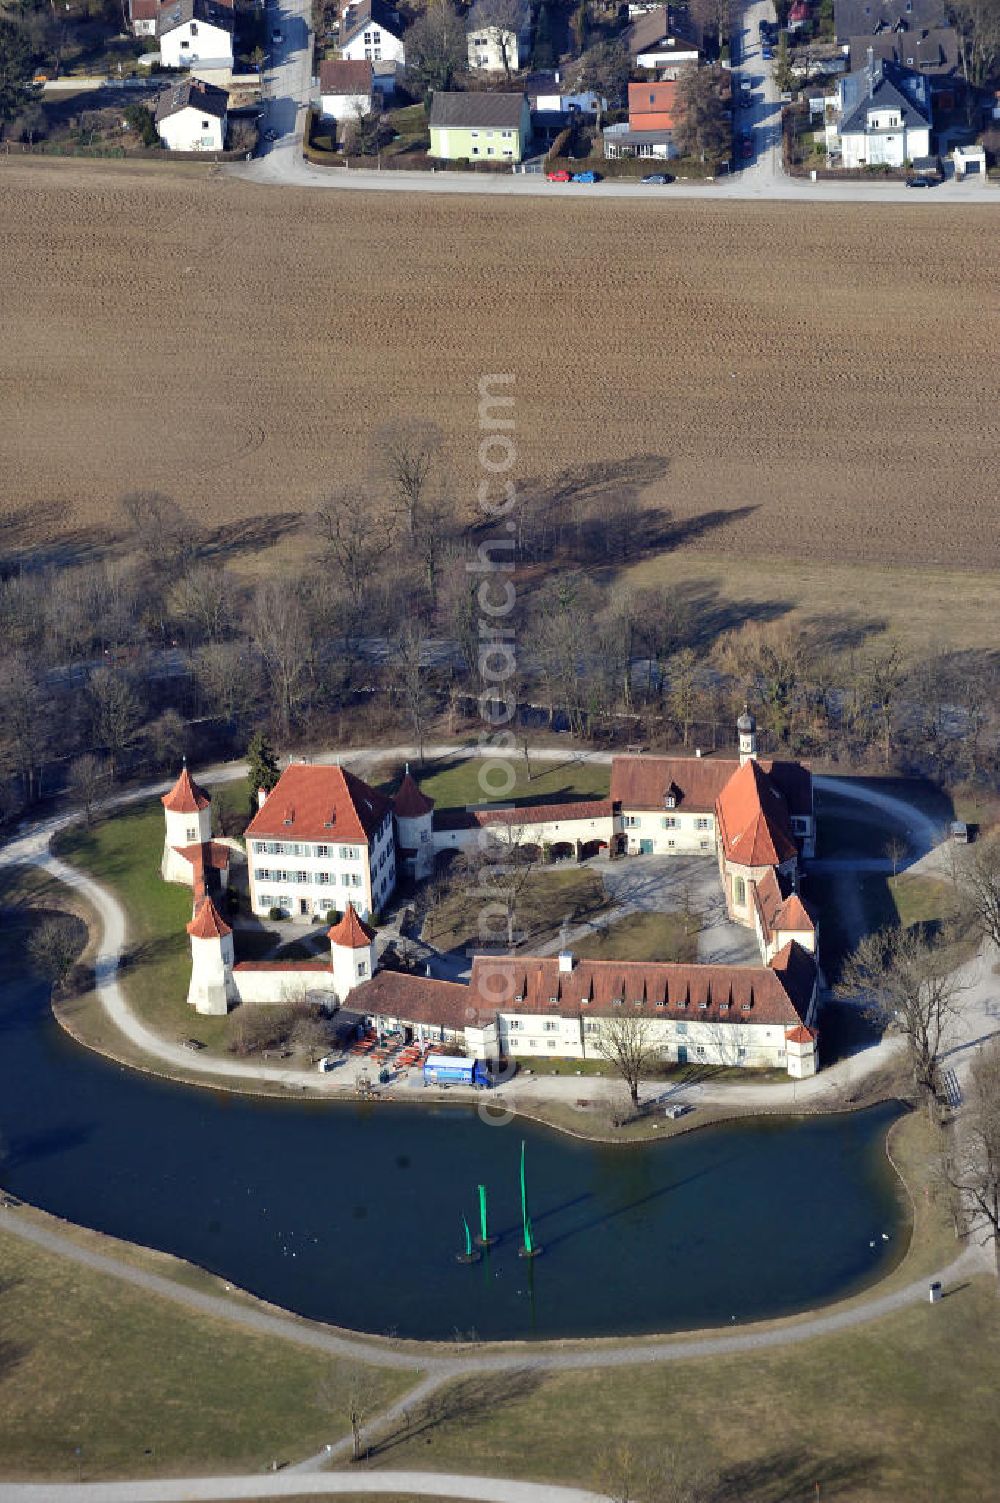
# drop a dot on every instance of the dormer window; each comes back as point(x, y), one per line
point(519, 997)
point(746, 1006)
point(702, 1006)
point(616, 1001)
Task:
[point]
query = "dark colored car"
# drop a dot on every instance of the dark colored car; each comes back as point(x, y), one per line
point(276, 36)
point(920, 181)
point(746, 145)
point(657, 178)
point(767, 52)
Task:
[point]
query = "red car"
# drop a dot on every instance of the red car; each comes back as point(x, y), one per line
point(562, 176)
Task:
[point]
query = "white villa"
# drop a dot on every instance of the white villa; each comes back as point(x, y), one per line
point(320, 839)
point(195, 32)
point(191, 116)
point(884, 116)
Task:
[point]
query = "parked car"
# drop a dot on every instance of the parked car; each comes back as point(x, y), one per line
point(746, 145)
point(920, 180)
point(767, 52)
point(657, 178)
point(746, 89)
point(270, 134)
point(586, 177)
point(276, 36)
point(562, 176)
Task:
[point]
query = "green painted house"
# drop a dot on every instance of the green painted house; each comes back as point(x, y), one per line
point(480, 127)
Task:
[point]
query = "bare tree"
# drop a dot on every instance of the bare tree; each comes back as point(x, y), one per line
point(116, 714)
point(668, 1474)
point(896, 850)
point(627, 1042)
point(228, 678)
point(355, 539)
point(500, 868)
point(979, 883)
point(406, 454)
point(973, 1169)
point(280, 632)
point(909, 983)
point(86, 781)
point(436, 49)
point(54, 946)
point(26, 722)
point(161, 531)
point(703, 127)
point(203, 598)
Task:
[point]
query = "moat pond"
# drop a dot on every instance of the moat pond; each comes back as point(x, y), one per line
point(353, 1214)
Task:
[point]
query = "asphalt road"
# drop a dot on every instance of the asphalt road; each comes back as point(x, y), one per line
point(289, 84)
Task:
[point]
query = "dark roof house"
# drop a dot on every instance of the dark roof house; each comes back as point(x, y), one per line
point(860, 18)
point(478, 110)
point(195, 95)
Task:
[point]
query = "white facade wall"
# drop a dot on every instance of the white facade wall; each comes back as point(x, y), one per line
point(308, 878)
point(486, 49)
point(144, 28)
point(211, 990)
point(891, 148)
point(278, 986)
point(190, 130)
point(760, 1045)
point(374, 45)
point(551, 832)
point(417, 834)
point(345, 106)
point(666, 59)
point(196, 42)
point(351, 967)
point(668, 831)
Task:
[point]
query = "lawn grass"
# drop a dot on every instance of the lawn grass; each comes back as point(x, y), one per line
point(898, 1411)
point(454, 783)
point(550, 899)
point(143, 1386)
point(123, 853)
point(926, 611)
point(644, 936)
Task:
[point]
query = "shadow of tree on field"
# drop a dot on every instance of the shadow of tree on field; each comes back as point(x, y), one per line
point(794, 1473)
point(35, 537)
point(462, 1402)
point(249, 534)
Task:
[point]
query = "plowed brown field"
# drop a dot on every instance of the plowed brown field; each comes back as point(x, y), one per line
point(828, 374)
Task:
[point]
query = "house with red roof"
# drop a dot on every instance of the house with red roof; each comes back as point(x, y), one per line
point(321, 838)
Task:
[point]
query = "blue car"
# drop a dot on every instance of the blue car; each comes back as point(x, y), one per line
point(586, 177)
point(767, 53)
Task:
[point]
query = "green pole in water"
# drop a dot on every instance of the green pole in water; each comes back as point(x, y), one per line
point(525, 1219)
point(483, 1233)
point(468, 1238)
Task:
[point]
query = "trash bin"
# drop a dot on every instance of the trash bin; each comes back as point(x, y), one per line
point(934, 1292)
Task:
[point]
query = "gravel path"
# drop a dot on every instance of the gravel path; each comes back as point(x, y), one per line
point(291, 1485)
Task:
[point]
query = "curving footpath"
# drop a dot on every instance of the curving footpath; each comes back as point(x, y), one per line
point(208, 1489)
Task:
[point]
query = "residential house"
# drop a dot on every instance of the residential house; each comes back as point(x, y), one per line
point(872, 18)
point(798, 15)
point(657, 43)
point(372, 32)
point(195, 32)
point(931, 50)
point(498, 49)
point(321, 837)
point(652, 117)
point(479, 127)
point(346, 89)
point(143, 14)
point(884, 116)
point(191, 116)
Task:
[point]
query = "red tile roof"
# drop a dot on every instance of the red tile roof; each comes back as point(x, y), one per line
point(696, 782)
point(524, 815)
point(781, 911)
point(208, 922)
point(283, 965)
point(342, 76)
point(414, 999)
point(351, 932)
point(409, 802)
point(753, 819)
point(212, 854)
point(800, 1035)
point(185, 797)
point(318, 803)
point(747, 994)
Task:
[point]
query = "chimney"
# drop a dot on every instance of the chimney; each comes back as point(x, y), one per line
point(565, 961)
point(261, 797)
point(871, 73)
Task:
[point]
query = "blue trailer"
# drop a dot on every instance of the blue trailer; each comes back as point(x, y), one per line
point(450, 1069)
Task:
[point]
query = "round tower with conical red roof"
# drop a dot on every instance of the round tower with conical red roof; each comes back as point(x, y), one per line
point(413, 813)
point(187, 810)
point(212, 990)
point(352, 952)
